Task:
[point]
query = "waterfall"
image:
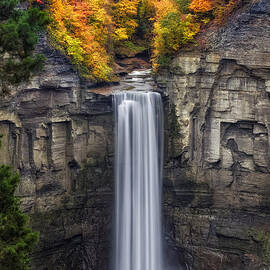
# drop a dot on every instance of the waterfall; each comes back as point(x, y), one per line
point(139, 158)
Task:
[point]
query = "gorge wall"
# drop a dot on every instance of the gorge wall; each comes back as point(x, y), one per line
point(217, 165)
point(58, 135)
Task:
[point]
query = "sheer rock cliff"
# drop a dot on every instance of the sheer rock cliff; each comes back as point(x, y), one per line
point(58, 136)
point(217, 169)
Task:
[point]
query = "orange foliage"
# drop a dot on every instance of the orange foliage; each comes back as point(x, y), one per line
point(220, 8)
point(172, 29)
point(223, 9)
point(202, 5)
point(163, 7)
point(81, 29)
point(89, 31)
point(125, 18)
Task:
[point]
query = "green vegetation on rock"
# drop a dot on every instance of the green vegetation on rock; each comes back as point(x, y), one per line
point(16, 237)
point(264, 244)
point(93, 33)
point(19, 30)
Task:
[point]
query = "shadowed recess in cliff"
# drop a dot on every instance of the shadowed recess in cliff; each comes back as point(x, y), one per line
point(139, 150)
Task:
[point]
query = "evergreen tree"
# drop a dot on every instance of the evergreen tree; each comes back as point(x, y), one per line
point(16, 237)
point(18, 35)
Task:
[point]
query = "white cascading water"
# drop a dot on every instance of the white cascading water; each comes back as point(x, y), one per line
point(139, 154)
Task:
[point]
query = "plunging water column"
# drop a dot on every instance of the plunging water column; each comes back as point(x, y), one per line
point(139, 152)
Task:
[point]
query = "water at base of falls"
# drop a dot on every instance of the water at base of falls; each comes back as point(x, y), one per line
point(139, 154)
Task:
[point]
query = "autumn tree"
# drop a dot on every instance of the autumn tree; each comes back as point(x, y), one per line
point(217, 9)
point(172, 29)
point(125, 18)
point(81, 30)
point(92, 33)
point(202, 5)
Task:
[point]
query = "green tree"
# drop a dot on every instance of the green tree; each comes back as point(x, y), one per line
point(146, 13)
point(16, 237)
point(171, 33)
point(183, 6)
point(18, 35)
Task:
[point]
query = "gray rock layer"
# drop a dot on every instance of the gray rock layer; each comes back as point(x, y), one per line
point(59, 136)
point(217, 171)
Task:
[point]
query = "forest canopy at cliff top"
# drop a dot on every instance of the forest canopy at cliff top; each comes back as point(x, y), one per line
point(92, 32)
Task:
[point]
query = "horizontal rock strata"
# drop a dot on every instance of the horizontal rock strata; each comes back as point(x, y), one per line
point(217, 171)
point(59, 136)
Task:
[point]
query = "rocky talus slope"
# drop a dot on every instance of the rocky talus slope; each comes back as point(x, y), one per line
point(217, 165)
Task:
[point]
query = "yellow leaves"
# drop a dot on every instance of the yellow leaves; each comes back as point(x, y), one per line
point(120, 34)
point(74, 48)
point(191, 29)
point(163, 7)
point(127, 7)
point(91, 31)
point(83, 30)
point(172, 30)
point(125, 18)
point(80, 29)
point(147, 9)
point(219, 8)
point(175, 26)
point(205, 20)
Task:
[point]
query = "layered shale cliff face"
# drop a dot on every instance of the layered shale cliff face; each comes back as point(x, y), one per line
point(217, 170)
point(59, 136)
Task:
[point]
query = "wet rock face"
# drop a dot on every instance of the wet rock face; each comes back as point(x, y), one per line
point(59, 136)
point(217, 169)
